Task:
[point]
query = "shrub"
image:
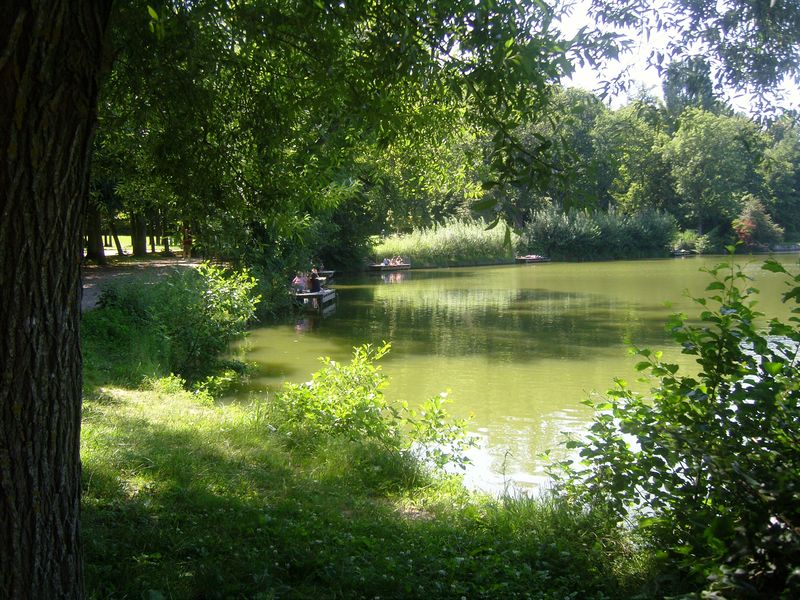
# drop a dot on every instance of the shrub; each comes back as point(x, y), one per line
point(347, 401)
point(188, 318)
point(582, 234)
point(691, 241)
point(709, 464)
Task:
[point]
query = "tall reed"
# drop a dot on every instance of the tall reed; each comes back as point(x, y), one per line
point(454, 242)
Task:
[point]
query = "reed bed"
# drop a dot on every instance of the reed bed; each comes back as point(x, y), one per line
point(452, 243)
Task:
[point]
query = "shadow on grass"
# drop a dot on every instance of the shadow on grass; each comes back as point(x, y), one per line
point(196, 503)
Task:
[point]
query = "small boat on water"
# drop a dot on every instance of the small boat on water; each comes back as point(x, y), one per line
point(380, 267)
point(532, 258)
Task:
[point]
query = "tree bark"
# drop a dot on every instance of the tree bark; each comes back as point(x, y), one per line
point(94, 232)
point(50, 57)
point(138, 234)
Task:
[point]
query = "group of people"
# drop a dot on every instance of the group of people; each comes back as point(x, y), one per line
point(307, 282)
point(397, 260)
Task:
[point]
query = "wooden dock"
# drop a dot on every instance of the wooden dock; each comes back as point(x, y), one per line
point(321, 301)
point(381, 268)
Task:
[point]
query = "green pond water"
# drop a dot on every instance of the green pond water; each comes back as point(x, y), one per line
point(517, 347)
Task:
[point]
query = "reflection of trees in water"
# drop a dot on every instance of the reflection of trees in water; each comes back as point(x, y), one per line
point(504, 324)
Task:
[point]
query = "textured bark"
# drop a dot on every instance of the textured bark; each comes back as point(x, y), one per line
point(138, 234)
point(50, 57)
point(94, 232)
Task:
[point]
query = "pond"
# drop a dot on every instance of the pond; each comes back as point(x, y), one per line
point(517, 347)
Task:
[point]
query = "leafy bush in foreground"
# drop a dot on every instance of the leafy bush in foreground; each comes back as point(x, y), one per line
point(709, 464)
point(347, 401)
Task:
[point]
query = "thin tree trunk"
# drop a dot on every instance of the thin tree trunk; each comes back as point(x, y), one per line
point(50, 58)
point(113, 227)
point(153, 244)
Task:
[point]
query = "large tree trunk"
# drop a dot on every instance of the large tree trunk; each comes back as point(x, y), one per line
point(50, 57)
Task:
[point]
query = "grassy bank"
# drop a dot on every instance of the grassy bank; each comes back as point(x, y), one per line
point(454, 243)
point(186, 500)
point(318, 492)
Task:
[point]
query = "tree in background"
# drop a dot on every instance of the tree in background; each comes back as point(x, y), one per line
point(687, 84)
point(631, 141)
point(714, 162)
point(781, 172)
point(754, 226)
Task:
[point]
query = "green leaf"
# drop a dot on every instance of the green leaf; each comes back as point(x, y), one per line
point(773, 266)
point(773, 368)
point(152, 12)
point(715, 285)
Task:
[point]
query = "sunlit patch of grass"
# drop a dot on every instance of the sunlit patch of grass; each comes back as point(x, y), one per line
point(450, 244)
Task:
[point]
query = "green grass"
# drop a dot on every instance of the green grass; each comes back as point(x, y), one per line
point(450, 244)
point(187, 500)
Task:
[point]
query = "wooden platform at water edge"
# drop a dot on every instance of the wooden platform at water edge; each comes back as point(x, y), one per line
point(381, 268)
point(321, 301)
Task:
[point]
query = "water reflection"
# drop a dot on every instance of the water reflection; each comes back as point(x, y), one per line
point(519, 347)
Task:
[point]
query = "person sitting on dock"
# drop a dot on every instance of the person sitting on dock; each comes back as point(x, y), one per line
point(386, 262)
point(397, 260)
point(299, 283)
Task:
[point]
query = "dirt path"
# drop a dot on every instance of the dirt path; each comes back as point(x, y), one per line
point(94, 276)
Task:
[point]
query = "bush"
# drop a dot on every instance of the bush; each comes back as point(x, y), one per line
point(184, 322)
point(709, 464)
point(347, 401)
point(582, 234)
point(754, 226)
point(691, 241)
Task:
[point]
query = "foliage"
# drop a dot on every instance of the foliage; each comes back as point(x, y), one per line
point(691, 241)
point(687, 83)
point(753, 46)
point(454, 242)
point(754, 226)
point(709, 463)
point(347, 401)
point(187, 319)
point(586, 235)
point(714, 161)
point(781, 172)
point(630, 143)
